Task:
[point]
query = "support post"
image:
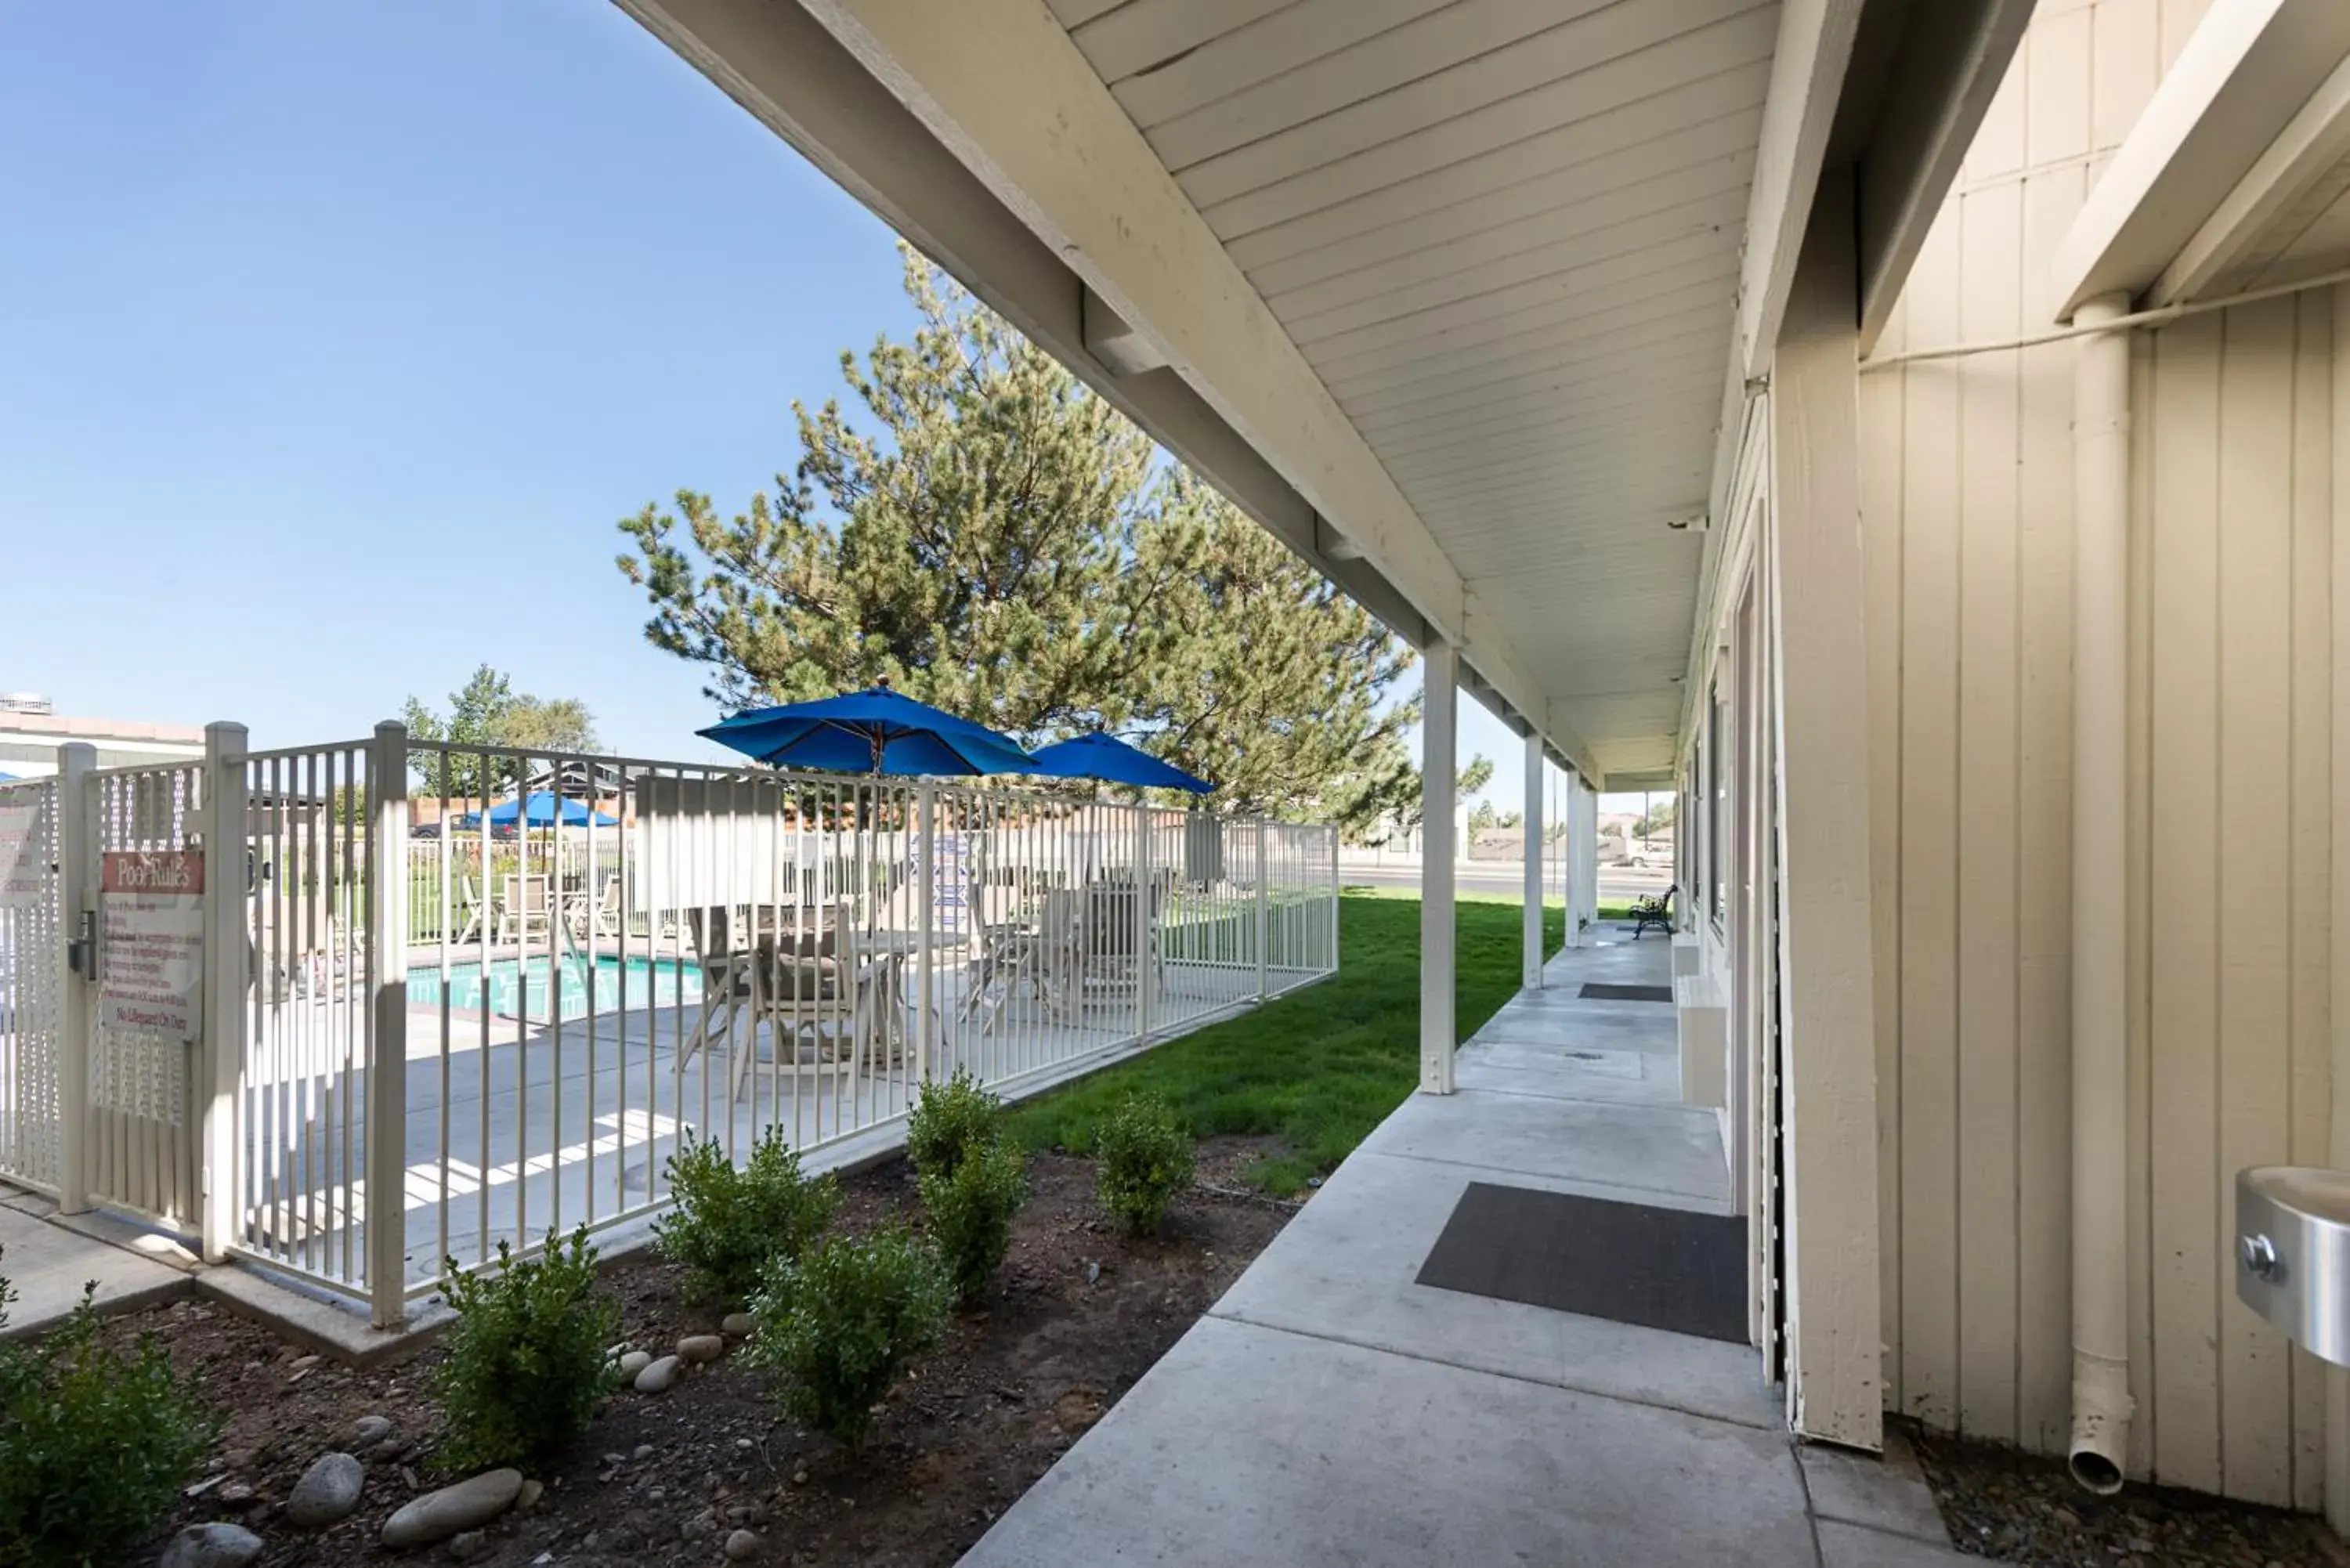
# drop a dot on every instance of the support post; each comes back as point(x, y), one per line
point(75, 761)
point(1334, 894)
point(1579, 827)
point(1146, 966)
point(2338, 1378)
point(1826, 996)
point(227, 810)
point(926, 894)
point(387, 1058)
point(1264, 916)
point(1531, 821)
point(1439, 735)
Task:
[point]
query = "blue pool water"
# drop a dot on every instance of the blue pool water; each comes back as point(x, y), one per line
point(519, 991)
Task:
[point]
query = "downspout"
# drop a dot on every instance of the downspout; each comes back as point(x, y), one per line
point(2102, 1405)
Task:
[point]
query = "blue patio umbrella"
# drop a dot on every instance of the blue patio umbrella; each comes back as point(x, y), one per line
point(871, 731)
point(1106, 757)
point(542, 808)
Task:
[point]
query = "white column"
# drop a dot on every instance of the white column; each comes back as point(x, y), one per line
point(76, 761)
point(386, 1064)
point(1586, 892)
point(1826, 995)
point(1533, 823)
point(926, 896)
point(1439, 714)
point(221, 1061)
point(2337, 1379)
point(1582, 860)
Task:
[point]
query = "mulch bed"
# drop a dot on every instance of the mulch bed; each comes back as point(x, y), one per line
point(1077, 1314)
point(2021, 1508)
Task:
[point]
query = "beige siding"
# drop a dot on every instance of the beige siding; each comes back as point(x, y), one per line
point(1967, 504)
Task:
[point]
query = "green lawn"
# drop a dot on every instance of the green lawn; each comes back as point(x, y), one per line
point(1321, 1068)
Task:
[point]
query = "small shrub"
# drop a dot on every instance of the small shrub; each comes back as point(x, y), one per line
point(1145, 1152)
point(527, 1359)
point(729, 1222)
point(948, 1121)
point(840, 1322)
point(94, 1444)
point(967, 1211)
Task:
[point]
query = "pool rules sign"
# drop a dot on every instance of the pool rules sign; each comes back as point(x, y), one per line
point(151, 941)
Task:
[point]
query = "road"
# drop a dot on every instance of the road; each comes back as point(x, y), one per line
point(1617, 884)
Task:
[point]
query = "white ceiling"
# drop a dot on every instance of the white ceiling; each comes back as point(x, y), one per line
point(1506, 235)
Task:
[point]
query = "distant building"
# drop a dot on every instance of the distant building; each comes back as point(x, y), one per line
point(31, 731)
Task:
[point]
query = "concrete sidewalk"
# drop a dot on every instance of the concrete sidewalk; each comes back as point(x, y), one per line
point(1329, 1410)
point(49, 1262)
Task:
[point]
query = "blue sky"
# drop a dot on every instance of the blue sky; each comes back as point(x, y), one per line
point(333, 341)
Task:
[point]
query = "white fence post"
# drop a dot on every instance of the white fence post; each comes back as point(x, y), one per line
point(1264, 913)
point(387, 1058)
point(227, 810)
point(1333, 830)
point(926, 892)
point(76, 761)
point(1146, 965)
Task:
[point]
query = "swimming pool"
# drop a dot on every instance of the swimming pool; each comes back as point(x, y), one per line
point(516, 990)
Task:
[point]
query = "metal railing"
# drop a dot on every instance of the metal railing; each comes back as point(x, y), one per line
point(31, 991)
point(473, 1015)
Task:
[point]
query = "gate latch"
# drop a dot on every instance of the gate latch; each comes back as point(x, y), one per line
point(81, 952)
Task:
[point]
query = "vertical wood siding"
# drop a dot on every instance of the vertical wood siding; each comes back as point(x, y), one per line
point(1967, 511)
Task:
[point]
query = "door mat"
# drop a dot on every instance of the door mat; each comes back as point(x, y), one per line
point(1627, 1263)
point(1599, 990)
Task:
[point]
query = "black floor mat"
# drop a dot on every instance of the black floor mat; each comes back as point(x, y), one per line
point(1664, 1268)
point(1599, 990)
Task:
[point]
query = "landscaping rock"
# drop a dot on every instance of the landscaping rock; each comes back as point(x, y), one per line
point(742, 1546)
point(699, 1347)
point(636, 1361)
point(211, 1546)
point(326, 1492)
point(366, 1433)
point(438, 1515)
point(467, 1545)
point(528, 1497)
point(660, 1376)
point(737, 1325)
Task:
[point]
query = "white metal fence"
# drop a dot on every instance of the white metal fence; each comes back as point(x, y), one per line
point(32, 986)
point(442, 1010)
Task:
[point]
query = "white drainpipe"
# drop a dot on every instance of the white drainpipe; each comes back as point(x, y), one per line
point(2102, 1405)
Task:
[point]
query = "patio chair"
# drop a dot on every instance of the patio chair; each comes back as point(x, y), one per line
point(1653, 911)
point(597, 919)
point(468, 909)
point(526, 908)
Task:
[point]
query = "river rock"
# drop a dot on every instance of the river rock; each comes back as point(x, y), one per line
point(737, 1325)
point(527, 1498)
point(742, 1546)
point(211, 1546)
point(636, 1361)
point(438, 1515)
point(365, 1433)
point(701, 1347)
point(327, 1491)
point(660, 1376)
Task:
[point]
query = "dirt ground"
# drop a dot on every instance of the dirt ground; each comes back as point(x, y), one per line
point(2018, 1508)
point(1077, 1314)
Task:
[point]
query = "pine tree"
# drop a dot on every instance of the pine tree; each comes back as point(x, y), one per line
point(1008, 547)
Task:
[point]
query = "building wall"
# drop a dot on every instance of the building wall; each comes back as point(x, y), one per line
point(1967, 503)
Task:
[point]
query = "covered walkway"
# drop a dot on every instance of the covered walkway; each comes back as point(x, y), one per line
point(1330, 1409)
